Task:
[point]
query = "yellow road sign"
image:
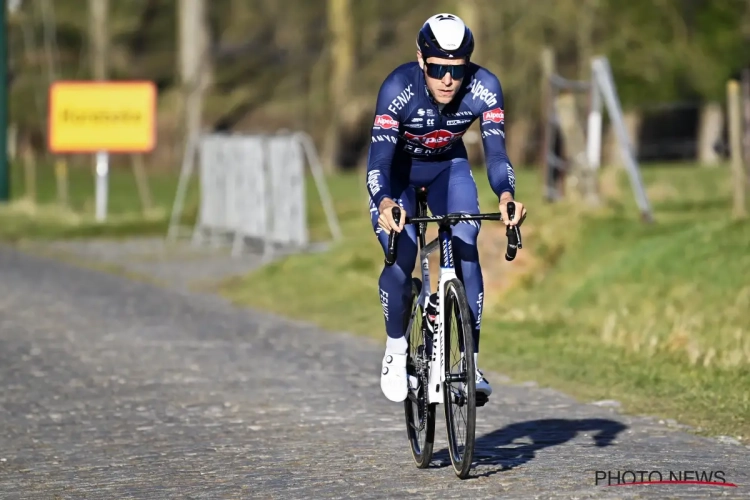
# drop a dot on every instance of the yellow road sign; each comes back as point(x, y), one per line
point(91, 116)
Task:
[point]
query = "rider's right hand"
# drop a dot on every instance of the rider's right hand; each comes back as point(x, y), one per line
point(385, 220)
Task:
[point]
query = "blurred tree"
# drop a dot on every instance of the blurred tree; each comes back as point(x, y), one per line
point(341, 32)
point(99, 37)
point(272, 64)
point(193, 64)
point(469, 11)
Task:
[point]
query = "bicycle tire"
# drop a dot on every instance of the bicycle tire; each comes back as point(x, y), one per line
point(462, 393)
point(420, 442)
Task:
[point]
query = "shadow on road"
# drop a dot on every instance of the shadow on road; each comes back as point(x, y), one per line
point(518, 443)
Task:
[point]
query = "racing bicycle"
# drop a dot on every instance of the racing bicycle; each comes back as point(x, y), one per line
point(440, 365)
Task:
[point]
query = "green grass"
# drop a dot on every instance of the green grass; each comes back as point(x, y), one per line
point(46, 219)
point(604, 307)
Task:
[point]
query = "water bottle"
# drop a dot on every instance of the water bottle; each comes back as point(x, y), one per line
point(431, 313)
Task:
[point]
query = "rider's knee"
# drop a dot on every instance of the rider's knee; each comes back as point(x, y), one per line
point(395, 275)
point(407, 257)
point(467, 231)
point(465, 240)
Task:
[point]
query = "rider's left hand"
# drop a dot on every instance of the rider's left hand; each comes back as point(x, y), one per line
point(520, 213)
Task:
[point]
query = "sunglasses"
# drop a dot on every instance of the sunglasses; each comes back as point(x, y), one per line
point(438, 71)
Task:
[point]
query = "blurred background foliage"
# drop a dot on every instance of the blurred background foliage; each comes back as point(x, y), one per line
point(316, 65)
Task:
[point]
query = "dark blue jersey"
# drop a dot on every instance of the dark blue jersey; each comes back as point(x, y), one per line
point(409, 125)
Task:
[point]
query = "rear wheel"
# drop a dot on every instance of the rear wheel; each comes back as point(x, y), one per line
point(460, 381)
point(420, 417)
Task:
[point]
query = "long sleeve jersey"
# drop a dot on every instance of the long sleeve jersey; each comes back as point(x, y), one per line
point(409, 122)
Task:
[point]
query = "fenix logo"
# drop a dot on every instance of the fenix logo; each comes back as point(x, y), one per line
point(424, 151)
point(401, 99)
point(481, 92)
point(384, 302)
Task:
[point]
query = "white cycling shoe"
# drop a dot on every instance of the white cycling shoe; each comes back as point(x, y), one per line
point(482, 385)
point(393, 380)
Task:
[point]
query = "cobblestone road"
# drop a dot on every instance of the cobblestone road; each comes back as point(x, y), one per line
point(115, 389)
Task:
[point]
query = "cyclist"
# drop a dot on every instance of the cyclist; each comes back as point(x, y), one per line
point(423, 108)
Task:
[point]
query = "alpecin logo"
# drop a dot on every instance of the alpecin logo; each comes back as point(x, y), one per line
point(434, 139)
point(385, 121)
point(496, 115)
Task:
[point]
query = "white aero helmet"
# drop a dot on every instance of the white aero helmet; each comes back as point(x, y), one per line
point(445, 35)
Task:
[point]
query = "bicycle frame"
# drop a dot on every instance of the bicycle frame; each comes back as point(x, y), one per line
point(447, 272)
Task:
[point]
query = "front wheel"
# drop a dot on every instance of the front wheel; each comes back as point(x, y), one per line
point(459, 392)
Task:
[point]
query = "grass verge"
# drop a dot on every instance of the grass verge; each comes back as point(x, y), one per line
point(44, 218)
point(597, 304)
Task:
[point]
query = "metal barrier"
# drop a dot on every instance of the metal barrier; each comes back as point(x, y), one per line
point(252, 192)
point(601, 94)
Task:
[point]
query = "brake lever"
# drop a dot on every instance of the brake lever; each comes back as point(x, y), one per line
point(513, 233)
point(390, 255)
